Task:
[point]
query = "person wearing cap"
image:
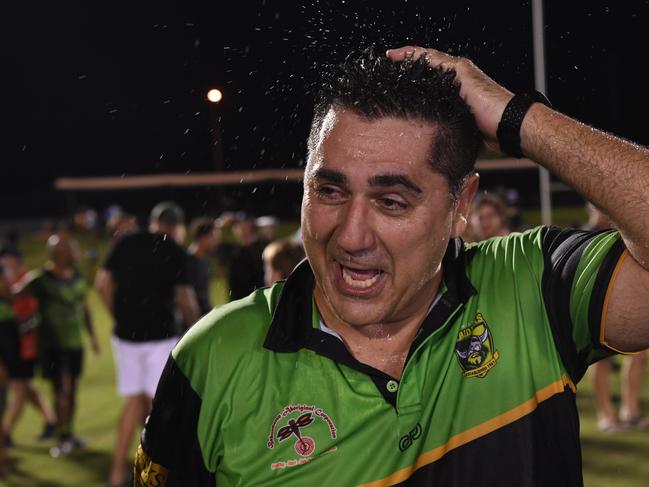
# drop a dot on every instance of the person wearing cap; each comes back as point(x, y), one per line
point(267, 228)
point(143, 281)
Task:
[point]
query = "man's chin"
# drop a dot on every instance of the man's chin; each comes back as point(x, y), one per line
point(353, 310)
point(357, 313)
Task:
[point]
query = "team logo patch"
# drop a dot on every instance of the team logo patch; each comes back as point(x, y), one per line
point(295, 425)
point(475, 348)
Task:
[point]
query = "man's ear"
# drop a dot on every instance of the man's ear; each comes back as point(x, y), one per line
point(463, 204)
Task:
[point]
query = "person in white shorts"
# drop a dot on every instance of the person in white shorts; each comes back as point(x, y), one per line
point(138, 365)
point(143, 281)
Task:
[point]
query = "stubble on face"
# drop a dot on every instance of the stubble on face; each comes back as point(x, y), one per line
point(354, 238)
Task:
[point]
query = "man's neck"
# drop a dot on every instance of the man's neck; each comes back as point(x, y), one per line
point(384, 346)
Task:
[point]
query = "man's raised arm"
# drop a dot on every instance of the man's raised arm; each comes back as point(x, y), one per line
point(609, 171)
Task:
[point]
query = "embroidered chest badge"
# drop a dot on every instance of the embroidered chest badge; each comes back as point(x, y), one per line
point(291, 425)
point(474, 348)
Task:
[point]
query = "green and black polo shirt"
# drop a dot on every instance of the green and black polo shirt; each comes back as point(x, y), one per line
point(257, 394)
point(61, 305)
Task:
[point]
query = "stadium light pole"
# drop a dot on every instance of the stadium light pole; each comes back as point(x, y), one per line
point(214, 97)
point(540, 85)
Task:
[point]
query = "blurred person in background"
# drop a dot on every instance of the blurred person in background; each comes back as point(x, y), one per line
point(205, 239)
point(631, 374)
point(143, 281)
point(8, 357)
point(61, 293)
point(492, 217)
point(180, 234)
point(242, 260)
point(280, 258)
point(120, 224)
point(84, 219)
point(267, 228)
point(25, 308)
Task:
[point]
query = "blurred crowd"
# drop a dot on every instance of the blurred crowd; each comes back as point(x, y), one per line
point(155, 280)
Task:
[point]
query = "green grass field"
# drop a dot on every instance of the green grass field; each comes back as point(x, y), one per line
point(620, 460)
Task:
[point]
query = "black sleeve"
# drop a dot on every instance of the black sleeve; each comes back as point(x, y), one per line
point(573, 294)
point(113, 259)
point(169, 453)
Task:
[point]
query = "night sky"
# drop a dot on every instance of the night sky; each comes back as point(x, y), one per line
point(109, 88)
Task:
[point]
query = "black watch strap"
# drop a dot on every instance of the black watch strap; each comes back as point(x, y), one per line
point(509, 128)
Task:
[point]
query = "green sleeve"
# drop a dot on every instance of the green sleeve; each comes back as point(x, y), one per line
point(578, 266)
point(588, 293)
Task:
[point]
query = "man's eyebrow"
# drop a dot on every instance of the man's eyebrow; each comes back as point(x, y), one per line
point(330, 176)
point(388, 180)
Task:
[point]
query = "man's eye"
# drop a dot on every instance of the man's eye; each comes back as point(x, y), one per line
point(327, 192)
point(392, 205)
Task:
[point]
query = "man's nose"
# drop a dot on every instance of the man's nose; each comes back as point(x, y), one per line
point(355, 231)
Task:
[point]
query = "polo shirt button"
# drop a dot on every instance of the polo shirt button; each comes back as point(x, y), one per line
point(392, 386)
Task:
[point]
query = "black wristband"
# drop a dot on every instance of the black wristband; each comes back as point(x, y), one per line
point(509, 128)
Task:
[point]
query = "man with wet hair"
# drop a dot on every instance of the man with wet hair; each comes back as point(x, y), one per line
point(363, 366)
point(375, 90)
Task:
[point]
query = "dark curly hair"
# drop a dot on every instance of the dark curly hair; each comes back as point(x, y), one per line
point(373, 86)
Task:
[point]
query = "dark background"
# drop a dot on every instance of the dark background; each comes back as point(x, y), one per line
point(111, 88)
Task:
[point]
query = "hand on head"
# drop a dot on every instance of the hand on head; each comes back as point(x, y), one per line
point(486, 98)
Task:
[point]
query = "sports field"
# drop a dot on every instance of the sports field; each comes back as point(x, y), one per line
point(609, 460)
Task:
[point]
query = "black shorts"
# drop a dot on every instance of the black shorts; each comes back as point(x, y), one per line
point(17, 368)
point(56, 362)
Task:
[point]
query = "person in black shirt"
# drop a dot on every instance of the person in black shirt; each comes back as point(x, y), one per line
point(242, 261)
point(143, 281)
point(206, 236)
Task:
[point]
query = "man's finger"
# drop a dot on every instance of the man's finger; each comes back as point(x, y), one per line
point(440, 59)
point(399, 54)
point(433, 57)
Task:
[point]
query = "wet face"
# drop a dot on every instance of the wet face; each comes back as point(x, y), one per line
point(376, 219)
point(491, 223)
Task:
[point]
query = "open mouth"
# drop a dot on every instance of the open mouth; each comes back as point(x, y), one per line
point(360, 278)
point(359, 282)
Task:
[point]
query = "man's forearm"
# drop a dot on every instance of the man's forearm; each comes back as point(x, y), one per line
point(608, 171)
point(88, 322)
point(106, 288)
point(187, 303)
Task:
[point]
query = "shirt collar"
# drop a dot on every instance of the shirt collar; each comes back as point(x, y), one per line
point(291, 324)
